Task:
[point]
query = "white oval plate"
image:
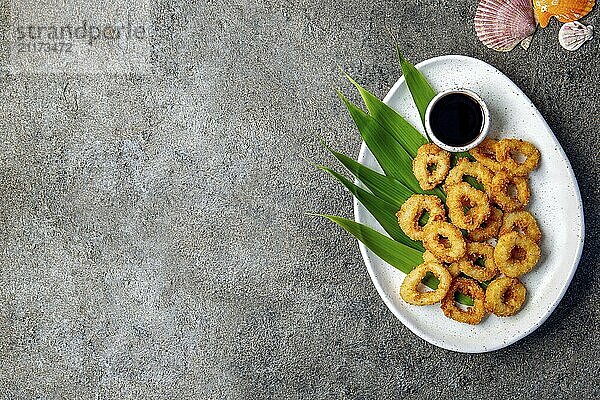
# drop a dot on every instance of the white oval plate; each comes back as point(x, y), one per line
point(555, 202)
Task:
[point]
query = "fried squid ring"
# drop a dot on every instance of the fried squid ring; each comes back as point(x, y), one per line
point(444, 241)
point(468, 264)
point(505, 296)
point(412, 210)
point(431, 165)
point(451, 267)
point(429, 257)
point(505, 154)
point(516, 254)
point(488, 228)
point(502, 194)
point(485, 153)
point(522, 222)
point(463, 168)
point(461, 196)
point(472, 315)
point(409, 290)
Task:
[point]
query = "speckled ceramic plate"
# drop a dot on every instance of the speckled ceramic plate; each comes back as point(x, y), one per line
point(555, 202)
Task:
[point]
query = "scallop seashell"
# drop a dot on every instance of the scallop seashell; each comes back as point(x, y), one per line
point(563, 10)
point(502, 24)
point(573, 35)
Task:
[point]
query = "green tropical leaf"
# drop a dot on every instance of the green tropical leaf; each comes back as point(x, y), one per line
point(422, 93)
point(394, 144)
point(384, 212)
point(419, 87)
point(382, 186)
point(404, 133)
point(398, 255)
point(463, 154)
point(390, 155)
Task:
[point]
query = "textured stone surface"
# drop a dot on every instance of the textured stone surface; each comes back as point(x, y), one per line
point(154, 243)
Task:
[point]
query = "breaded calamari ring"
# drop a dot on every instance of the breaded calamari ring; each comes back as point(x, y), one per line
point(475, 251)
point(409, 290)
point(451, 267)
point(505, 150)
point(431, 165)
point(505, 296)
point(516, 254)
point(413, 208)
point(429, 257)
point(463, 195)
point(444, 241)
point(485, 153)
point(489, 228)
point(463, 168)
point(501, 191)
point(522, 222)
point(472, 315)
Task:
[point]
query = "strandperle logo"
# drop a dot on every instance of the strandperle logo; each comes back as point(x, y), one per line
point(85, 31)
point(80, 36)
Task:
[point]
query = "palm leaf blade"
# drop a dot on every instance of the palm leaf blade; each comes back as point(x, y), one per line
point(383, 212)
point(396, 254)
point(419, 87)
point(404, 133)
point(390, 155)
point(382, 186)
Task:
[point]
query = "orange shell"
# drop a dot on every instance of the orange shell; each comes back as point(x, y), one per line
point(563, 10)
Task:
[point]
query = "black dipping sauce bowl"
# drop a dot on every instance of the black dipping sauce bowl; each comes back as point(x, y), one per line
point(457, 120)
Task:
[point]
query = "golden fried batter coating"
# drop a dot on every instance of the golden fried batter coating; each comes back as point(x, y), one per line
point(444, 241)
point(413, 208)
point(409, 291)
point(468, 266)
point(516, 254)
point(485, 153)
point(505, 150)
point(522, 222)
point(502, 195)
point(431, 165)
point(488, 228)
point(451, 267)
point(505, 296)
point(461, 196)
point(496, 211)
point(463, 168)
point(472, 315)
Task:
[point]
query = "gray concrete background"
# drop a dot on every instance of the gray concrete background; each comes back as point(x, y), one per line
point(152, 232)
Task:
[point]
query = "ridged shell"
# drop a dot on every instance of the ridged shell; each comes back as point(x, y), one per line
point(573, 35)
point(563, 10)
point(502, 24)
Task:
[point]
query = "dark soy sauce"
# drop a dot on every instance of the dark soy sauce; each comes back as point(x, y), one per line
point(456, 119)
